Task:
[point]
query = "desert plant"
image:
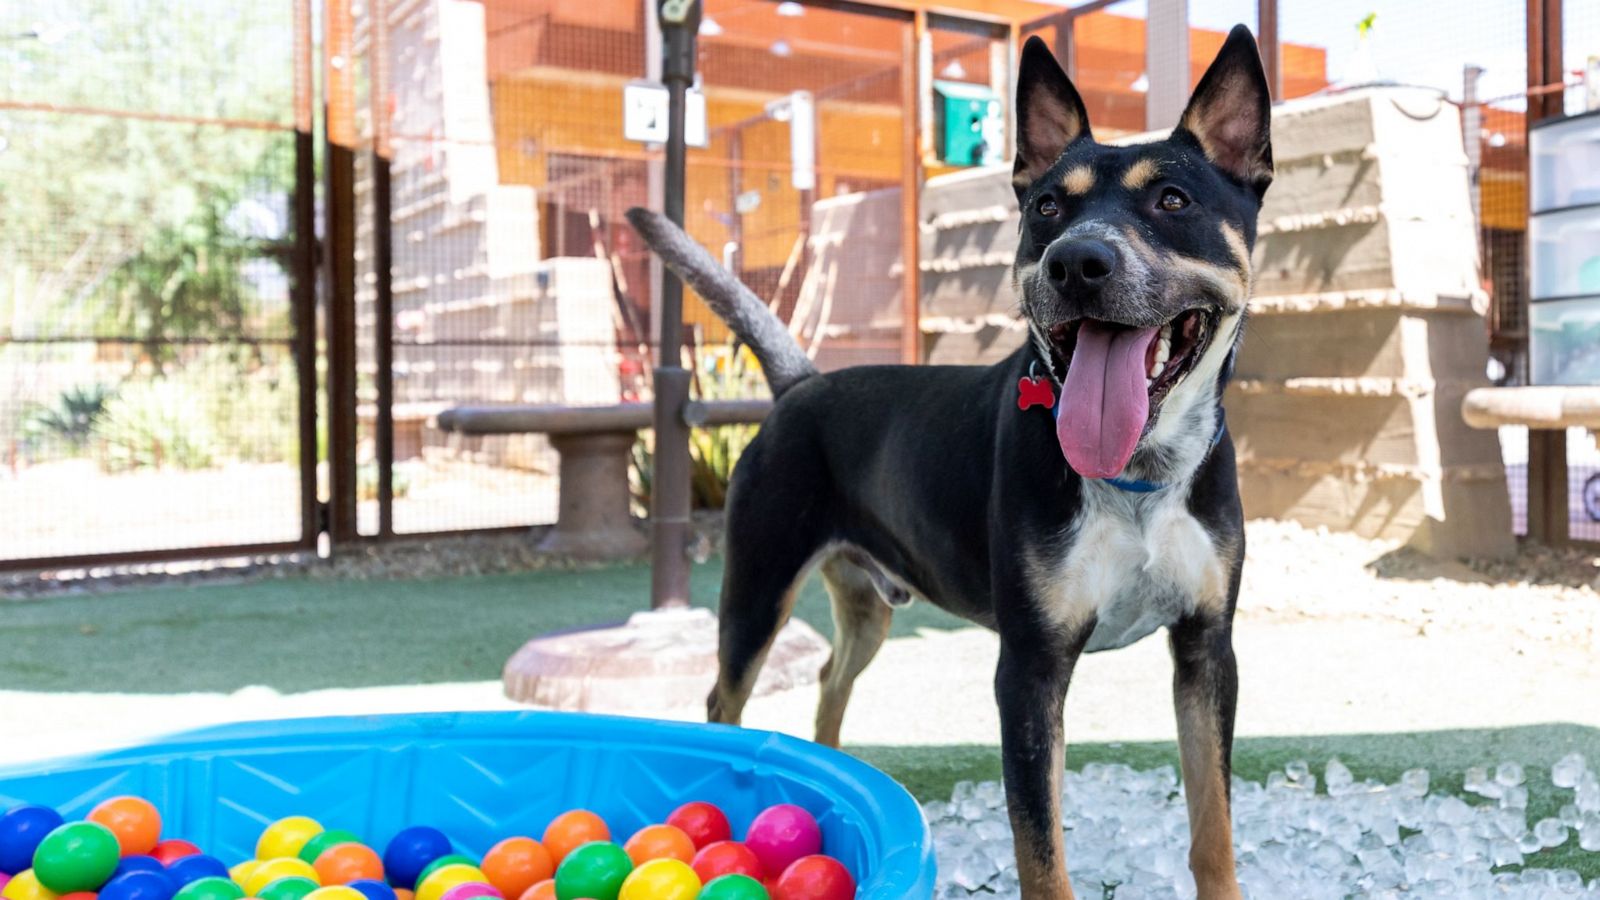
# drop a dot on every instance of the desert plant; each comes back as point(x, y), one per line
point(74, 417)
point(725, 373)
point(156, 424)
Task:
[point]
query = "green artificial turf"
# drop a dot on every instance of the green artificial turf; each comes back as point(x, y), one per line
point(303, 634)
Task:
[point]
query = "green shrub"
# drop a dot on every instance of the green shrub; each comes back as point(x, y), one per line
point(156, 424)
point(724, 374)
point(75, 416)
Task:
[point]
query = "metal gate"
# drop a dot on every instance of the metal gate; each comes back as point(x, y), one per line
point(157, 374)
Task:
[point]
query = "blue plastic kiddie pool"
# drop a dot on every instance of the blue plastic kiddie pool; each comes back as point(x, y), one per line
point(481, 777)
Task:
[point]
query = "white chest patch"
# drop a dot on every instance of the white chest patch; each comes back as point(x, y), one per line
point(1135, 563)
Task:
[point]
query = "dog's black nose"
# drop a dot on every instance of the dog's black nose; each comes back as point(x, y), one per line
point(1074, 265)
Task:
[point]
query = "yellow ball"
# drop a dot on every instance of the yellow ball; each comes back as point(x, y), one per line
point(336, 892)
point(268, 871)
point(25, 886)
point(661, 879)
point(242, 872)
point(446, 877)
point(285, 837)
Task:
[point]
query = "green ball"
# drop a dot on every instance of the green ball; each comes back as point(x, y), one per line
point(453, 859)
point(77, 856)
point(595, 871)
point(292, 887)
point(733, 887)
point(323, 841)
point(213, 888)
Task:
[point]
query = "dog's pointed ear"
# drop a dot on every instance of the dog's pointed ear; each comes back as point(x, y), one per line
point(1230, 114)
point(1050, 114)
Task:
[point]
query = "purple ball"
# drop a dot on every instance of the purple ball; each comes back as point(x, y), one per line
point(470, 890)
point(782, 834)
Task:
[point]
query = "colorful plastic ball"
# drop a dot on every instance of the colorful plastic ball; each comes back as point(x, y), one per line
point(336, 892)
point(4, 877)
point(134, 820)
point(734, 887)
point(78, 856)
point(241, 873)
point(374, 889)
point(544, 890)
point(594, 871)
point(140, 884)
point(21, 830)
point(727, 858)
point(344, 863)
point(782, 834)
point(167, 851)
point(703, 822)
point(659, 842)
point(25, 886)
point(516, 864)
point(661, 879)
point(190, 869)
point(271, 870)
point(571, 830)
point(472, 890)
point(212, 887)
point(452, 859)
point(286, 837)
point(78, 895)
point(410, 851)
point(816, 878)
point(333, 837)
point(291, 887)
point(434, 884)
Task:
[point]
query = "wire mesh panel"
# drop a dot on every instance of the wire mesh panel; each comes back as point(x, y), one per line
point(149, 395)
point(799, 188)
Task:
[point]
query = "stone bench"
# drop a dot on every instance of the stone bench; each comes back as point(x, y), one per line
point(594, 443)
point(1547, 412)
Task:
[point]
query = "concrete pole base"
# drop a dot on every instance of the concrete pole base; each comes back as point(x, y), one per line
point(593, 522)
point(658, 660)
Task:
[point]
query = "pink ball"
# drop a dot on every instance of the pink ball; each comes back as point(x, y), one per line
point(472, 889)
point(782, 834)
point(3, 879)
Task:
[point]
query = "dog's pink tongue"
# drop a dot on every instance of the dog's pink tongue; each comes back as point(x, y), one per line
point(1104, 402)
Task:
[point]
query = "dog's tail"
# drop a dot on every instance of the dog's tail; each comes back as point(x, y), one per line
point(784, 363)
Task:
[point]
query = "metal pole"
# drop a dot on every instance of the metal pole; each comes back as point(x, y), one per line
point(1547, 449)
point(1271, 48)
point(669, 483)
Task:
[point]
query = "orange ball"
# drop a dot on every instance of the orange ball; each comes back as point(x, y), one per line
point(344, 863)
point(544, 890)
point(133, 820)
point(516, 864)
point(659, 842)
point(571, 830)
point(404, 894)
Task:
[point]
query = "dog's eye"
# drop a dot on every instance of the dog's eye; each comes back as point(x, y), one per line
point(1172, 200)
point(1047, 207)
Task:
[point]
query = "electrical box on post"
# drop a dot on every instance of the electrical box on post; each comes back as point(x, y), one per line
point(968, 125)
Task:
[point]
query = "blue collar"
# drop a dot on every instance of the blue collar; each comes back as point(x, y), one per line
point(1139, 485)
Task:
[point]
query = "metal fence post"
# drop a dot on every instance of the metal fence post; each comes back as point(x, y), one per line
point(669, 485)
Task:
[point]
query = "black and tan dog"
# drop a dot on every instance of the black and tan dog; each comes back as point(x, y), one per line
point(1069, 525)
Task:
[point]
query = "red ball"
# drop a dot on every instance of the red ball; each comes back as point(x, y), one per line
point(167, 851)
point(727, 858)
point(702, 822)
point(815, 878)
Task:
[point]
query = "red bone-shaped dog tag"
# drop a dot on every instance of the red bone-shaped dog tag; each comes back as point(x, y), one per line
point(1035, 391)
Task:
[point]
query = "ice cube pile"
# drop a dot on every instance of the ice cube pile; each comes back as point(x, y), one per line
point(1127, 835)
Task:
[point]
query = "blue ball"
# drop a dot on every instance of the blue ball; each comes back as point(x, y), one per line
point(137, 864)
point(193, 868)
point(139, 885)
point(374, 889)
point(411, 851)
point(21, 830)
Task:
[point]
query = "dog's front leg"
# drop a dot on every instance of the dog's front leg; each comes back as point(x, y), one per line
point(1031, 689)
point(1205, 688)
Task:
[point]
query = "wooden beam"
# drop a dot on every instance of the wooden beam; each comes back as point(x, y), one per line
point(1271, 47)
